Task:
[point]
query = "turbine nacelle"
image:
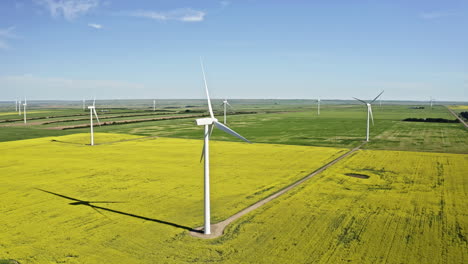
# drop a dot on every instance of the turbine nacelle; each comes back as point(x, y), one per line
point(206, 121)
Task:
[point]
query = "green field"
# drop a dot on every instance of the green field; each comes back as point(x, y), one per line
point(337, 126)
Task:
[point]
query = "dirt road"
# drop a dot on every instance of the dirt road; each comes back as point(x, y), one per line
point(459, 118)
point(218, 228)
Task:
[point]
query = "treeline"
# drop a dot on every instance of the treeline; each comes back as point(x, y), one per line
point(464, 115)
point(431, 120)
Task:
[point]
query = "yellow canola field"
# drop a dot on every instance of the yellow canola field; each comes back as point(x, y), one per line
point(28, 112)
point(412, 209)
point(459, 107)
point(63, 201)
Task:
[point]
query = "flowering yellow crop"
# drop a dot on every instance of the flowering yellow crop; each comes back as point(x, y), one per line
point(412, 209)
point(459, 107)
point(63, 201)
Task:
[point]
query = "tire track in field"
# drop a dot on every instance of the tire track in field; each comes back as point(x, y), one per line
point(218, 229)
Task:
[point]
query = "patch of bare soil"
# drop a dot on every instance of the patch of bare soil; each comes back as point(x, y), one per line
point(357, 175)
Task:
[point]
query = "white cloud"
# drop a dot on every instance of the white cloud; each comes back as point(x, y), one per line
point(3, 45)
point(434, 15)
point(69, 9)
point(97, 26)
point(183, 14)
point(5, 34)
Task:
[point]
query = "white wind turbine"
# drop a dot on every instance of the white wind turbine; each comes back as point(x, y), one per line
point(19, 107)
point(84, 101)
point(318, 106)
point(92, 110)
point(369, 112)
point(431, 100)
point(209, 124)
point(225, 104)
point(16, 105)
point(24, 111)
point(154, 105)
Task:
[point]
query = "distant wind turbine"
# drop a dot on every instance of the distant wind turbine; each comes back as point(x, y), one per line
point(431, 101)
point(16, 105)
point(24, 111)
point(92, 110)
point(225, 104)
point(19, 107)
point(369, 112)
point(84, 101)
point(209, 124)
point(154, 105)
point(318, 106)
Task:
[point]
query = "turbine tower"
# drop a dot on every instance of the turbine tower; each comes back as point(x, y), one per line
point(19, 107)
point(84, 101)
point(225, 104)
point(369, 113)
point(209, 124)
point(92, 110)
point(24, 111)
point(318, 106)
point(154, 105)
point(16, 105)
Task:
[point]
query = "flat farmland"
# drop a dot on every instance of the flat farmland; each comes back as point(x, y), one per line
point(337, 126)
point(411, 209)
point(131, 201)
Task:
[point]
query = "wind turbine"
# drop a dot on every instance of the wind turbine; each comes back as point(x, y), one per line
point(154, 105)
point(318, 106)
point(24, 111)
point(369, 112)
point(92, 109)
point(84, 101)
point(209, 124)
point(19, 107)
point(16, 105)
point(225, 104)
point(431, 100)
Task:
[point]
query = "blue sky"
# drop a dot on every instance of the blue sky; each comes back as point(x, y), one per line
point(111, 49)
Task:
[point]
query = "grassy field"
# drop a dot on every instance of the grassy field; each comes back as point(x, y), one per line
point(337, 126)
point(147, 193)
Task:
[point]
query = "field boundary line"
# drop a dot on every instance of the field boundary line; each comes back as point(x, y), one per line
point(455, 114)
point(218, 228)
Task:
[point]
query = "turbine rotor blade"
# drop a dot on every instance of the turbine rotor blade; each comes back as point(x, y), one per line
point(206, 89)
point(230, 131)
point(372, 117)
point(364, 102)
point(377, 97)
point(97, 118)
